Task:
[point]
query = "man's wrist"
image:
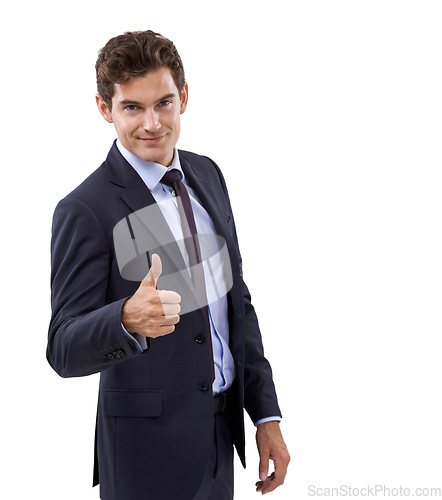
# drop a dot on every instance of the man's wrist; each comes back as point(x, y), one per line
point(124, 316)
point(267, 419)
point(138, 341)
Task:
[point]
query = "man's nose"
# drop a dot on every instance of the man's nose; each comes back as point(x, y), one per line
point(151, 121)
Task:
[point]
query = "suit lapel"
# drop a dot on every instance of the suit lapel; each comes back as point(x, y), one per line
point(208, 199)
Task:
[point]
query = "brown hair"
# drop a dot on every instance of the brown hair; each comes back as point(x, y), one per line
point(135, 53)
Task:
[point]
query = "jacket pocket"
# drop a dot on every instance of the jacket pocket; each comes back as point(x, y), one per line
point(135, 403)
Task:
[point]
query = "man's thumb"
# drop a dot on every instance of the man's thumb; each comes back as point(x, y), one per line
point(263, 467)
point(154, 272)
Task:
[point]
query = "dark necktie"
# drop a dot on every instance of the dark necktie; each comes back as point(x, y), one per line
point(172, 178)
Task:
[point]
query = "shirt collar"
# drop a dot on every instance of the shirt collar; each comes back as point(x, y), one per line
point(150, 171)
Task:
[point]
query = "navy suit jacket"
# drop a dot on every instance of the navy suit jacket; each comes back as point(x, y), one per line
point(154, 426)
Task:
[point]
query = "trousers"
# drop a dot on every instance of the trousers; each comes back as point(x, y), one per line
point(218, 478)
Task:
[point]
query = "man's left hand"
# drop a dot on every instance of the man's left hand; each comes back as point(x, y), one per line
point(271, 446)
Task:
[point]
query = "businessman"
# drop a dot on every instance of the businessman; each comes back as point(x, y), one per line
point(147, 289)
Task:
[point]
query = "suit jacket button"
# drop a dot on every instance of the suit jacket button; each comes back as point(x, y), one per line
point(200, 338)
point(203, 386)
point(109, 357)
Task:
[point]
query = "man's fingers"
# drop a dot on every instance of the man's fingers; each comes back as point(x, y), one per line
point(271, 482)
point(169, 297)
point(264, 485)
point(164, 330)
point(154, 272)
point(171, 309)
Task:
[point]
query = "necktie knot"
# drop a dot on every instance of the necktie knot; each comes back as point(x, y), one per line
point(171, 177)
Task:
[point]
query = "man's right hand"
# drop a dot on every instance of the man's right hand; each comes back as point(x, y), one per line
point(151, 312)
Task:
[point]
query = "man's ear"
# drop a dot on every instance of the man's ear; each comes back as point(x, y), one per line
point(183, 98)
point(103, 108)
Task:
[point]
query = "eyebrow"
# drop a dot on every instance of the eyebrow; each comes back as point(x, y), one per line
point(126, 102)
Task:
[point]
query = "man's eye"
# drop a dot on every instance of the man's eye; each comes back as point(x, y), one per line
point(131, 107)
point(164, 103)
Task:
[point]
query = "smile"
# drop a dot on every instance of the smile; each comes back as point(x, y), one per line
point(152, 140)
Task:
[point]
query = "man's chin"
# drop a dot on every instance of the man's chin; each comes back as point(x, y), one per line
point(156, 156)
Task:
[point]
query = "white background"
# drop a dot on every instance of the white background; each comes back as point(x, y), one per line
point(325, 117)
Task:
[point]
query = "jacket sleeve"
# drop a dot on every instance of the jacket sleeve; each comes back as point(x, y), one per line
point(260, 399)
point(85, 332)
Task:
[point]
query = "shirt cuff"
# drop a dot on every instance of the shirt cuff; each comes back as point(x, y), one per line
point(267, 419)
point(140, 341)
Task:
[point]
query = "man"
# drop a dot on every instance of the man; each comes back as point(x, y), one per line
point(147, 289)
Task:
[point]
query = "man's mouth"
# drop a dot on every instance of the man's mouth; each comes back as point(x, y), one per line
point(151, 139)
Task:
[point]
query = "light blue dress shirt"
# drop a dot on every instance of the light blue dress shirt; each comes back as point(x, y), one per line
point(151, 173)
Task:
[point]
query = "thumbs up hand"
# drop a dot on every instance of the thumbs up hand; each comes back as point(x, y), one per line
point(151, 312)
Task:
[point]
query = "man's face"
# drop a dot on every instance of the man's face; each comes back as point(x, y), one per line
point(146, 113)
